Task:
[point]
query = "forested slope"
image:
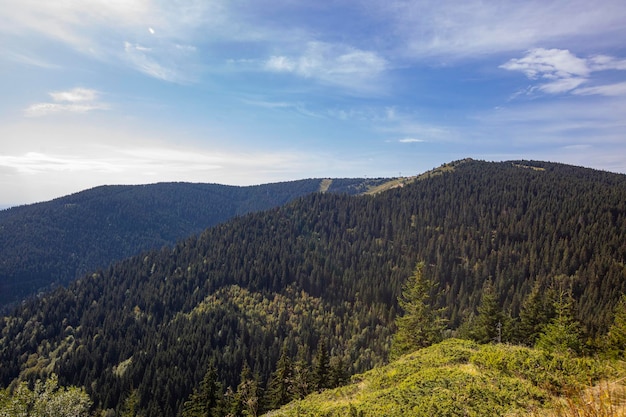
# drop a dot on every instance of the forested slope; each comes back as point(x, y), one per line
point(325, 268)
point(54, 242)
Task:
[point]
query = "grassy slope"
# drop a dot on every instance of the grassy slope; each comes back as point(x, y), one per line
point(459, 378)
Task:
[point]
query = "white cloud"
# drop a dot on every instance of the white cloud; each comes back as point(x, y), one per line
point(77, 100)
point(411, 140)
point(549, 63)
point(561, 71)
point(618, 89)
point(75, 95)
point(468, 28)
point(333, 64)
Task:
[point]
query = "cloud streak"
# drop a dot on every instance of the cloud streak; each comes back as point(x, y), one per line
point(77, 100)
point(560, 71)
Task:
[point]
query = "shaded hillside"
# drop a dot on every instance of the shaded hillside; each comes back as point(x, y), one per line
point(460, 378)
point(57, 241)
point(325, 268)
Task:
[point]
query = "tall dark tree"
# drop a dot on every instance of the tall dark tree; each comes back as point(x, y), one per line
point(280, 387)
point(616, 337)
point(338, 375)
point(206, 401)
point(487, 327)
point(245, 402)
point(421, 324)
point(563, 333)
point(302, 376)
point(536, 312)
point(321, 370)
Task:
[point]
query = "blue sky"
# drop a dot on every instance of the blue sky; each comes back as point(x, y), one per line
point(247, 92)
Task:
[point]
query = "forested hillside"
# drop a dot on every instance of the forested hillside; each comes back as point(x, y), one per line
point(57, 241)
point(322, 274)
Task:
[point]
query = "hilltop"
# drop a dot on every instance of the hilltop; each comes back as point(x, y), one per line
point(462, 378)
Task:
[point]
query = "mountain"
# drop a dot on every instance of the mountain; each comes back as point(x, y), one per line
point(324, 272)
point(52, 243)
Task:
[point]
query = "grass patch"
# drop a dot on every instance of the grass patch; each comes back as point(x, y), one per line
point(462, 378)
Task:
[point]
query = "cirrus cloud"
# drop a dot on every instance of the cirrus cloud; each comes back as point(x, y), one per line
point(560, 71)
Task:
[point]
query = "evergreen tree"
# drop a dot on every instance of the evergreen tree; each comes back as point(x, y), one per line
point(302, 377)
point(338, 375)
point(321, 372)
point(616, 337)
point(245, 401)
point(205, 401)
point(421, 325)
point(487, 326)
point(562, 334)
point(280, 386)
point(536, 312)
point(130, 407)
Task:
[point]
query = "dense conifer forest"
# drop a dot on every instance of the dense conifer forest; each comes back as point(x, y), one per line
point(52, 243)
point(312, 286)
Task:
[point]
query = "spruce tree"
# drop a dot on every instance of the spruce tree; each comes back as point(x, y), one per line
point(616, 337)
point(536, 312)
point(321, 372)
point(562, 334)
point(280, 386)
point(488, 323)
point(421, 325)
point(302, 376)
point(205, 401)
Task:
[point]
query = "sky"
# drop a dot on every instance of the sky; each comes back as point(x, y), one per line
point(244, 92)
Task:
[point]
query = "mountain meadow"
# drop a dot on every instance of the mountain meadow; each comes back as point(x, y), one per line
point(476, 288)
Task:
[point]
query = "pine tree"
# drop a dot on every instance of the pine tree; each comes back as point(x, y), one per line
point(321, 372)
point(562, 334)
point(616, 337)
point(302, 377)
point(488, 324)
point(280, 386)
point(245, 401)
point(421, 325)
point(338, 375)
point(205, 401)
point(536, 312)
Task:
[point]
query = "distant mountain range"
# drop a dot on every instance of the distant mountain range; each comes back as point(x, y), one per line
point(52, 243)
point(321, 271)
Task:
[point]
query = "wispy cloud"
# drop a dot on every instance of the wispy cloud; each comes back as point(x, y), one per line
point(560, 71)
point(77, 100)
point(333, 64)
point(411, 140)
point(461, 29)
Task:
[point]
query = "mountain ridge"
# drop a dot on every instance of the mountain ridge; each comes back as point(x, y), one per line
point(51, 243)
point(336, 263)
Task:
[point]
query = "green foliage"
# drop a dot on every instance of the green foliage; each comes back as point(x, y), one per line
point(536, 312)
point(280, 386)
point(324, 267)
point(207, 401)
point(562, 334)
point(487, 326)
point(616, 337)
point(421, 324)
point(457, 377)
point(321, 371)
point(47, 399)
